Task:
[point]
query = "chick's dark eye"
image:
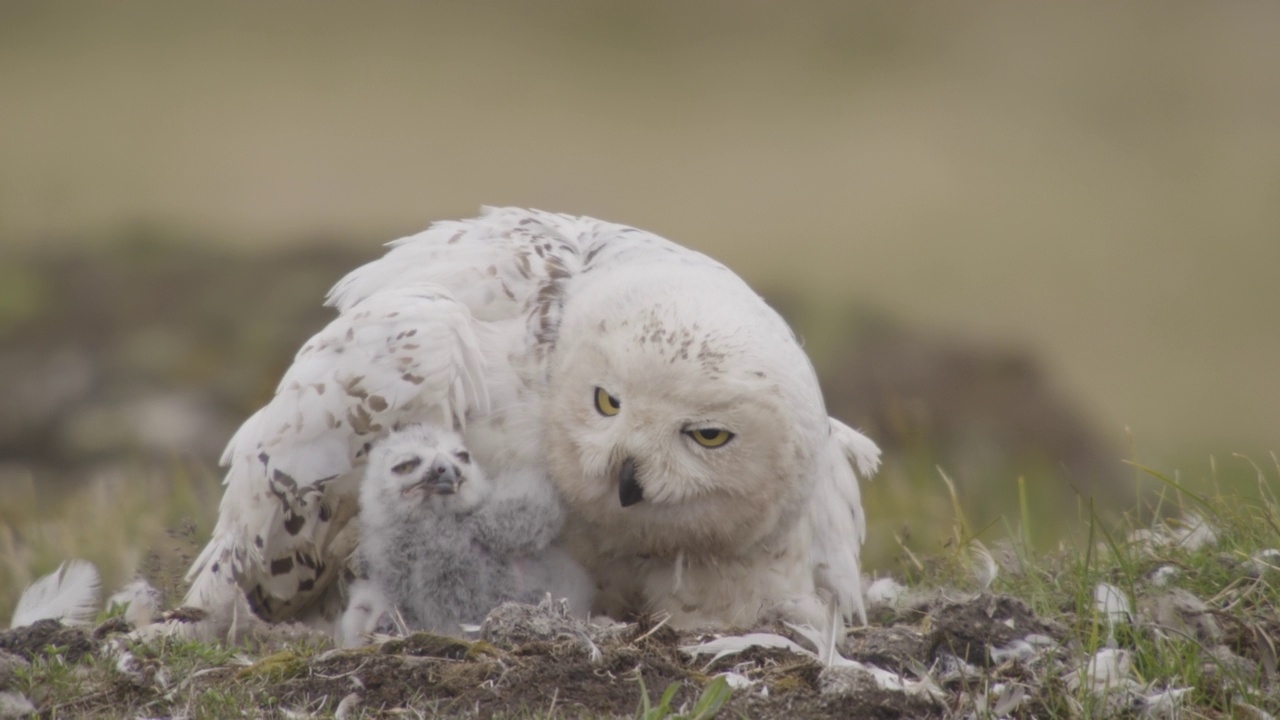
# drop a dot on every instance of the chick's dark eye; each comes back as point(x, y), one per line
point(406, 466)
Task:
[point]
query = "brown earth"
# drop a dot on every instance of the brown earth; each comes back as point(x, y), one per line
point(578, 670)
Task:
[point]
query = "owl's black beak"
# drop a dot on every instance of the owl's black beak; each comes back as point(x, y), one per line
point(629, 490)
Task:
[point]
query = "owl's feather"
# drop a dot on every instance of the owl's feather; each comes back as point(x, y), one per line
point(503, 325)
point(838, 517)
point(405, 354)
point(68, 594)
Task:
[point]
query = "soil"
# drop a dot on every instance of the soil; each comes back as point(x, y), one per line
point(970, 630)
point(30, 641)
point(536, 659)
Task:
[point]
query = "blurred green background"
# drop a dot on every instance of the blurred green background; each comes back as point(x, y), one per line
point(1018, 239)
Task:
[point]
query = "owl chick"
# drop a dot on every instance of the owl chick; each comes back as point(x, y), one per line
point(444, 544)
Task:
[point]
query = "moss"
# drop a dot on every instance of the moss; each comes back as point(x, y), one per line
point(274, 667)
point(789, 683)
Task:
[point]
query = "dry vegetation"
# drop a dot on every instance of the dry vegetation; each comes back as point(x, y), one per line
point(1171, 619)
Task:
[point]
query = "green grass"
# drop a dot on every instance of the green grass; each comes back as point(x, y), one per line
point(708, 704)
point(143, 521)
point(1057, 583)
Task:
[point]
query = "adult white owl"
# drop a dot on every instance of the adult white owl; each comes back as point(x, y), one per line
point(674, 410)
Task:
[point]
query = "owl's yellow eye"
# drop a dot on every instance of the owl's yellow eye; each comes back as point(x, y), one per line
point(710, 437)
point(607, 404)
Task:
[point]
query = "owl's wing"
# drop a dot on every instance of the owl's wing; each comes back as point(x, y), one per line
point(839, 523)
point(398, 355)
point(511, 262)
point(414, 329)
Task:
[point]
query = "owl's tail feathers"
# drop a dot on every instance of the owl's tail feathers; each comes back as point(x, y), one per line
point(839, 523)
point(861, 451)
point(69, 594)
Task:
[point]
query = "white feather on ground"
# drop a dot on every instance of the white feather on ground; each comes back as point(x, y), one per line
point(141, 602)
point(1113, 607)
point(839, 673)
point(69, 594)
point(15, 705)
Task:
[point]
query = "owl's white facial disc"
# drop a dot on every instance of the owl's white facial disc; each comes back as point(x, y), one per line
point(682, 416)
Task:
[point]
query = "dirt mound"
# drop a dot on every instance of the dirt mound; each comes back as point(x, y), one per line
point(538, 658)
point(33, 641)
point(976, 630)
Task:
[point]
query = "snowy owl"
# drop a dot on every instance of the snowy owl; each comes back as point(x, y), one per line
point(444, 545)
point(675, 411)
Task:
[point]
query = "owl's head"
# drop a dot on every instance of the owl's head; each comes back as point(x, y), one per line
point(683, 413)
point(422, 467)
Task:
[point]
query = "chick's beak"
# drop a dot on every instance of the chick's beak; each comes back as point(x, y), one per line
point(442, 478)
point(629, 490)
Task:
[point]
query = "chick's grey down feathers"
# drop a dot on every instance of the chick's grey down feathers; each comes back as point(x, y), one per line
point(446, 553)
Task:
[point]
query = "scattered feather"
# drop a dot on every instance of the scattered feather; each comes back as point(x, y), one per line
point(1162, 703)
point(1195, 533)
point(1192, 532)
point(985, 570)
point(1000, 700)
point(1162, 575)
point(949, 669)
point(1262, 562)
point(737, 681)
point(1147, 539)
point(1009, 699)
point(1113, 607)
point(842, 678)
point(885, 592)
point(1252, 711)
point(836, 670)
point(127, 664)
point(69, 594)
point(347, 706)
point(141, 603)
point(15, 705)
point(826, 642)
point(1180, 611)
point(1020, 650)
point(734, 644)
point(1105, 672)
